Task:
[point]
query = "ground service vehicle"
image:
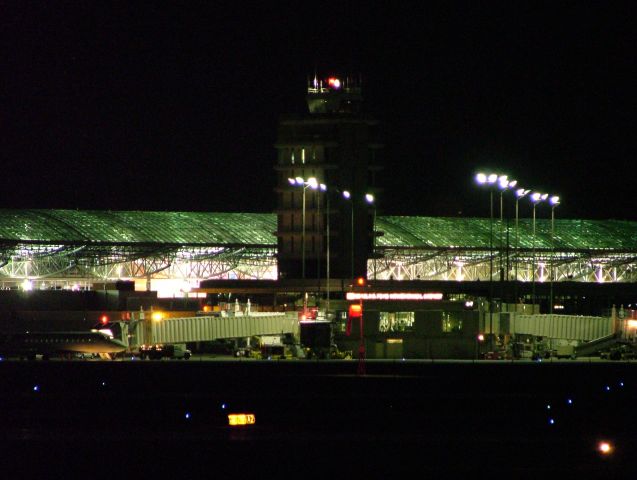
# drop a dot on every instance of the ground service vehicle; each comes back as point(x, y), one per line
point(317, 341)
point(159, 351)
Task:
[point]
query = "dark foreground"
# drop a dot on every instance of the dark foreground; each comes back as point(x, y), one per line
point(138, 419)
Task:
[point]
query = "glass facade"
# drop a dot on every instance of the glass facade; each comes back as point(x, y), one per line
point(396, 322)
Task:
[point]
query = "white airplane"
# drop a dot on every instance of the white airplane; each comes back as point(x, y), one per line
point(29, 345)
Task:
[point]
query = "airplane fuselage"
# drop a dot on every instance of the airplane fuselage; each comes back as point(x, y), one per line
point(50, 343)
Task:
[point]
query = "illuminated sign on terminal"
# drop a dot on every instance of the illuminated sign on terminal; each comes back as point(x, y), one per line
point(392, 296)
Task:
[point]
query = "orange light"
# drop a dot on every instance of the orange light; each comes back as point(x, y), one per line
point(104, 319)
point(355, 310)
point(207, 308)
point(360, 281)
point(239, 419)
point(605, 448)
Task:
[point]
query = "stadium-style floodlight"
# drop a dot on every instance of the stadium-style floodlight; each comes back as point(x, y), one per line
point(491, 180)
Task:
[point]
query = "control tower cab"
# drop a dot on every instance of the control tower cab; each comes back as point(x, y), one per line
point(327, 160)
point(334, 95)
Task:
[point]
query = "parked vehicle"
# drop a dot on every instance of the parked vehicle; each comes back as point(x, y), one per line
point(159, 351)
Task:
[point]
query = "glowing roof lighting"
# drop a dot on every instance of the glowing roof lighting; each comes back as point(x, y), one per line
point(554, 200)
point(346, 194)
point(292, 181)
point(492, 178)
point(299, 180)
point(521, 192)
point(481, 178)
point(27, 285)
point(369, 198)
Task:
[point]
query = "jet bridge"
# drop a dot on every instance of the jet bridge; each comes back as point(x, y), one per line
point(209, 328)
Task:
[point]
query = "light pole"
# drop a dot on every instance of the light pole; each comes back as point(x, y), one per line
point(313, 184)
point(490, 181)
point(369, 198)
point(554, 201)
point(504, 184)
point(536, 198)
point(519, 193)
point(327, 253)
point(321, 188)
point(348, 196)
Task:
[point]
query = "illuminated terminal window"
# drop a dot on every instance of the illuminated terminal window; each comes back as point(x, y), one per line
point(396, 321)
point(450, 323)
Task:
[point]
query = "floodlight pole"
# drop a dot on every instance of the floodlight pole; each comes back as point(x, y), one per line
point(303, 244)
point(533, 262)
point(327, 260)
point(491, 269)
point(352, 240)
point(517, 243)
point(554, 201)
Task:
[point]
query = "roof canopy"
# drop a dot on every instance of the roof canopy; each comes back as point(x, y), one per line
point(257, 230)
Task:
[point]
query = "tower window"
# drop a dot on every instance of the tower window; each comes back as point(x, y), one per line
point(302, 155)
point(292, 157)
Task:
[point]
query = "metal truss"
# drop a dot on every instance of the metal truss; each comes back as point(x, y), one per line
point(86, 263)
point(471, 265)
point(70, 265)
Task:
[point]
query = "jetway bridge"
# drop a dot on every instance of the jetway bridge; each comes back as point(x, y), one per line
point(589, 335)
point(210, 328)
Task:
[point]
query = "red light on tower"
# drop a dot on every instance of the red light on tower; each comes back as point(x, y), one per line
point(334, 83)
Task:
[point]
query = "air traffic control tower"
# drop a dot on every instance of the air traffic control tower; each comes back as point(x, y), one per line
point(326, 196)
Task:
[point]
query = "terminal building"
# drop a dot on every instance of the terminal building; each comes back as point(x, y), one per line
point(325, 233)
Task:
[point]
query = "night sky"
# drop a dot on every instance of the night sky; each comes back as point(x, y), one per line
point(124, 105)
